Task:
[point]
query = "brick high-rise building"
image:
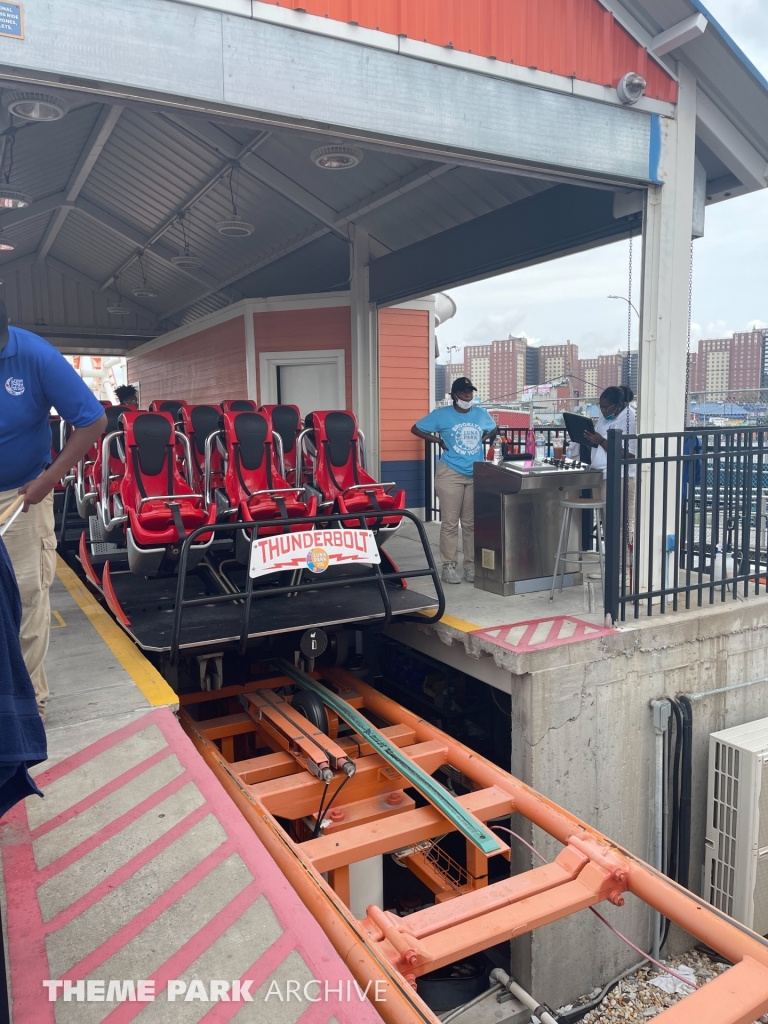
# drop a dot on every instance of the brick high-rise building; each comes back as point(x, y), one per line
point(508, 368)
point(477, 366)
point(558, 361)
point(532, 366)
point(587, 385)
point(610, 371)
point(498, 370)
point(730, 364)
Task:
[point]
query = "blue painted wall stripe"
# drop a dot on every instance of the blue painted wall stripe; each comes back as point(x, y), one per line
point(654, 149)
point(408, 474)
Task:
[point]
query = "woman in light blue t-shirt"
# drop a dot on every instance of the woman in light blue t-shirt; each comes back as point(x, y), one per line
point(460, 430)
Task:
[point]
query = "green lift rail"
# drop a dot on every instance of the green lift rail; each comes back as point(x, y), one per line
point(431, 790)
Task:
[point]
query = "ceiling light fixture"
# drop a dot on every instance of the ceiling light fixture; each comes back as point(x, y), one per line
point(11, 199)
point(336, 158)
point(235, 227)
point(145, 289)
point(5, 245)
point(117, 308)
point(186, 260)
point(34, 105)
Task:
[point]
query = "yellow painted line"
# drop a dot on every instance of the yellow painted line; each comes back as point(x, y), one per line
point(454, 623)
point(143, 674)
point(61, 623)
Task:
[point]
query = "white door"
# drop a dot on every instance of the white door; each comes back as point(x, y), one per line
point(311, 386)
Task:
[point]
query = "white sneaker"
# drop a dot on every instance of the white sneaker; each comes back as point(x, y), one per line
point(469, 575)
point(450, 575)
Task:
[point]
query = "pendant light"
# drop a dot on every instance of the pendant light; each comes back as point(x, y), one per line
point(5, 245)
point(117, 308)
point(144, 290)
point(235, 227)
point(10, 198)
point(186, 260)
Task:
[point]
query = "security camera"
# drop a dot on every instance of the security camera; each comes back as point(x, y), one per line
point(631, 87)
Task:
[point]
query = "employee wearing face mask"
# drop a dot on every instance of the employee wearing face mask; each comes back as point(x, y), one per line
point(615, 414)
point(460, 430)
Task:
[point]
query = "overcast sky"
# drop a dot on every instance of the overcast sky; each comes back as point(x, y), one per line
point(566, 299)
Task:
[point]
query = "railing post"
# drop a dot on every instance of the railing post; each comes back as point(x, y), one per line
point(429, 483)
point(612, 528)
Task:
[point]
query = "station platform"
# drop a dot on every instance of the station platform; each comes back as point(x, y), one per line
point(136, 866)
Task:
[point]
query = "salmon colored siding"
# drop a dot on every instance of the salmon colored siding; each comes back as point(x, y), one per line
point(403, 381)
point(302, 330)
point(203, 368)
point(575, 38)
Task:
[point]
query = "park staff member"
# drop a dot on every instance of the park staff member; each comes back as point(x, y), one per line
point(34, 377)
point(460, 430)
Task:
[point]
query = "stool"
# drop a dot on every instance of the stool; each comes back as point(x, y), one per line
point(569, 506)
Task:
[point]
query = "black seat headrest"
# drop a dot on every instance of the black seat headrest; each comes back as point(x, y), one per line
point(285, 420)
point(251, 432)
point(153, 435)
point(241, 405)
point(339, 429)
point(206, 420)
point(174, 408)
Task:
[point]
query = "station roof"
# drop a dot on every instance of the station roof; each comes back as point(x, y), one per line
point(121, 184)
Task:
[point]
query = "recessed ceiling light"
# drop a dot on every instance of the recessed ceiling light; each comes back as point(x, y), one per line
point(336, 158)
point(32, 105)
point(187, 260)
point(12, 199)
point(235, 228)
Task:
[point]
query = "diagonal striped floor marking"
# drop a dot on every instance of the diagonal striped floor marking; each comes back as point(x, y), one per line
point(136, 865)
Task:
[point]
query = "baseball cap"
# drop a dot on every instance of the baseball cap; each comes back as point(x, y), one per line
point(462, 384)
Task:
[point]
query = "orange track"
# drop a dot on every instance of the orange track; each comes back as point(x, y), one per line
point(377, 816)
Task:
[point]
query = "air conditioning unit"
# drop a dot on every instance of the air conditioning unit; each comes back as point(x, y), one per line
point(736, 845)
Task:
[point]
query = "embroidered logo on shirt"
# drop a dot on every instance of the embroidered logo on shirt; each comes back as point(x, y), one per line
point(14, 386)
point(467, 438)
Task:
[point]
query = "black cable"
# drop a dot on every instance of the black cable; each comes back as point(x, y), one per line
point(685, 792)
point(674, 839)
point(339, 788)
point(10, 147)
point(321, 811)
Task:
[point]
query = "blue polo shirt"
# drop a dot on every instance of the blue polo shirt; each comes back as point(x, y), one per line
point(34, 377)
point(462, 432)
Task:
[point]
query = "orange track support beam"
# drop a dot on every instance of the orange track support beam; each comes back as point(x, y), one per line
point(377, 817)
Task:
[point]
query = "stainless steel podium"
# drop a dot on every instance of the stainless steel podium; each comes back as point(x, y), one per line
point(517, 523)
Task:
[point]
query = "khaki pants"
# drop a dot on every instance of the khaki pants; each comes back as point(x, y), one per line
point(31, 544)
point(455, 493)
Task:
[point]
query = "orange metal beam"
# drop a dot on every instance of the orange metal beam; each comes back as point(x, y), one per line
point(401, 1005)
point(681, 906)
point(299, 795)
point(738, 996)
point(392, 833)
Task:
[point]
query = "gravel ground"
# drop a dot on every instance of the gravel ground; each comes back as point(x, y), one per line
point(635, 999)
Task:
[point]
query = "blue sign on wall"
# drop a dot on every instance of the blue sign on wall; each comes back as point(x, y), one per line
point(11, 19)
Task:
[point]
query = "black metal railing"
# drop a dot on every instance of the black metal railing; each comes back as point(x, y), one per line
point(510, 440)
point(252, 592)
point(695, 527)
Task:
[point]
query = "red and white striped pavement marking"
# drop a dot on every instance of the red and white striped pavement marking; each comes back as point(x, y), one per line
point(137, 866)
point(540, 634)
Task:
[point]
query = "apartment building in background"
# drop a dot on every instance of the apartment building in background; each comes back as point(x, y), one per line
point(502, 369)
point(738, 363)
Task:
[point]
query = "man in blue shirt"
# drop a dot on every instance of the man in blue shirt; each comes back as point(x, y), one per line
point(34, 377)
point(460, 430)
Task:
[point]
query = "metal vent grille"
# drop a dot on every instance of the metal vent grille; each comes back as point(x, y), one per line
point(725, 809)
point(760, 923)
point(98, 544)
